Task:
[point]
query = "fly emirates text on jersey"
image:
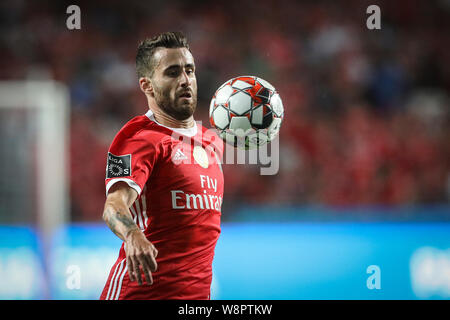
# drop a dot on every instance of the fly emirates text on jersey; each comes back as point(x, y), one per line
point(198, 201)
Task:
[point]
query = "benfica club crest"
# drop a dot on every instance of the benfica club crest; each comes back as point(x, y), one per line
point(201, 157)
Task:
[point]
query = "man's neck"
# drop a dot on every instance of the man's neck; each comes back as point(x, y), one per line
point(168, 121)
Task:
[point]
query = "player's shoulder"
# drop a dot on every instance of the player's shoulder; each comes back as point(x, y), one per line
point(140, 128)
point(207, 132)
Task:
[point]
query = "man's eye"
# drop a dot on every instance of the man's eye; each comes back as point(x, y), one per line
point(172, 72)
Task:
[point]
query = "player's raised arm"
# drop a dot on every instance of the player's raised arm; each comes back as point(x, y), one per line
point(139, 251)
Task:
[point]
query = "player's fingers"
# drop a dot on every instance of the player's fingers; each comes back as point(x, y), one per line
point(146, 268)
point(152, 262)
point(130, 267)
point(148, 276)
point(137, 272)
point(134, 271)
point(150, 279)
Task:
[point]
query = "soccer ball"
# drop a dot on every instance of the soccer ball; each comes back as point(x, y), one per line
point(247, 111)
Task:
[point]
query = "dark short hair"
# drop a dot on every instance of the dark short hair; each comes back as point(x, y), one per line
point(145, 64)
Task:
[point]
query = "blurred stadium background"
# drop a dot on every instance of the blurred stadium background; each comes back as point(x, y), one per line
point(364, 177)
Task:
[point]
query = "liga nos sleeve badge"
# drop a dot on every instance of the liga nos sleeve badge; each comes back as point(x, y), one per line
point(118, 166)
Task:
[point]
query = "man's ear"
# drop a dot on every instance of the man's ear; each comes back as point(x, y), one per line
point(146, 85)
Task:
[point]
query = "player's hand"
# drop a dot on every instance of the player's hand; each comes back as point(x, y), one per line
point(140, 253)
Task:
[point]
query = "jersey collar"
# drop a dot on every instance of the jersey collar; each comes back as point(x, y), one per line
point(190, 132)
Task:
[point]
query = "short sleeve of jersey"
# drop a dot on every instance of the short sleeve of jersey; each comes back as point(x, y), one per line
point(131, 159)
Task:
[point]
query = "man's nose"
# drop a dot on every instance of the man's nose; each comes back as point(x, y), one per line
point(185, 79)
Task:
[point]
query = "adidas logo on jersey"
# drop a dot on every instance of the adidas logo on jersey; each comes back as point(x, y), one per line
point(179, 156)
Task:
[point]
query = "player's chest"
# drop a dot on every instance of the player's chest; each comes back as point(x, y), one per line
point(191, 167)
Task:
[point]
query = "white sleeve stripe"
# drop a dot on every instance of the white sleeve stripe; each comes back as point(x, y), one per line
point(133, 213)
point(130, 182)
point(144, 208)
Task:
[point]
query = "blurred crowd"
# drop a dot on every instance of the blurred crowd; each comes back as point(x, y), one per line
point(367, 117)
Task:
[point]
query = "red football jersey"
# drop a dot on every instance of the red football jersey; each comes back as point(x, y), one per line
point(178, 176)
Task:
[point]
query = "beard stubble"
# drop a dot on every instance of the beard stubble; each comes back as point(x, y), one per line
point(179, 111)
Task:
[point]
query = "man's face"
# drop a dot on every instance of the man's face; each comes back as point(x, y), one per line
point(174, 82)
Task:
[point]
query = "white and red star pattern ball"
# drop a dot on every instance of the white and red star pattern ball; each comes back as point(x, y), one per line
point(247, 111)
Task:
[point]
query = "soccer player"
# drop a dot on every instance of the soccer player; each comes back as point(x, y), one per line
point(164, 185)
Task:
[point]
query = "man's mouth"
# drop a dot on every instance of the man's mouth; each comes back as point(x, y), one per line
point(186, 95)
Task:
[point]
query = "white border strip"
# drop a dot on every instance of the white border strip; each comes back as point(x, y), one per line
point(189, 132)
point(113, 292)
point(112, 279)
point(144, 207)
point(139, 214)
point(120, 283)
point(130, 182)
point(134, 215)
